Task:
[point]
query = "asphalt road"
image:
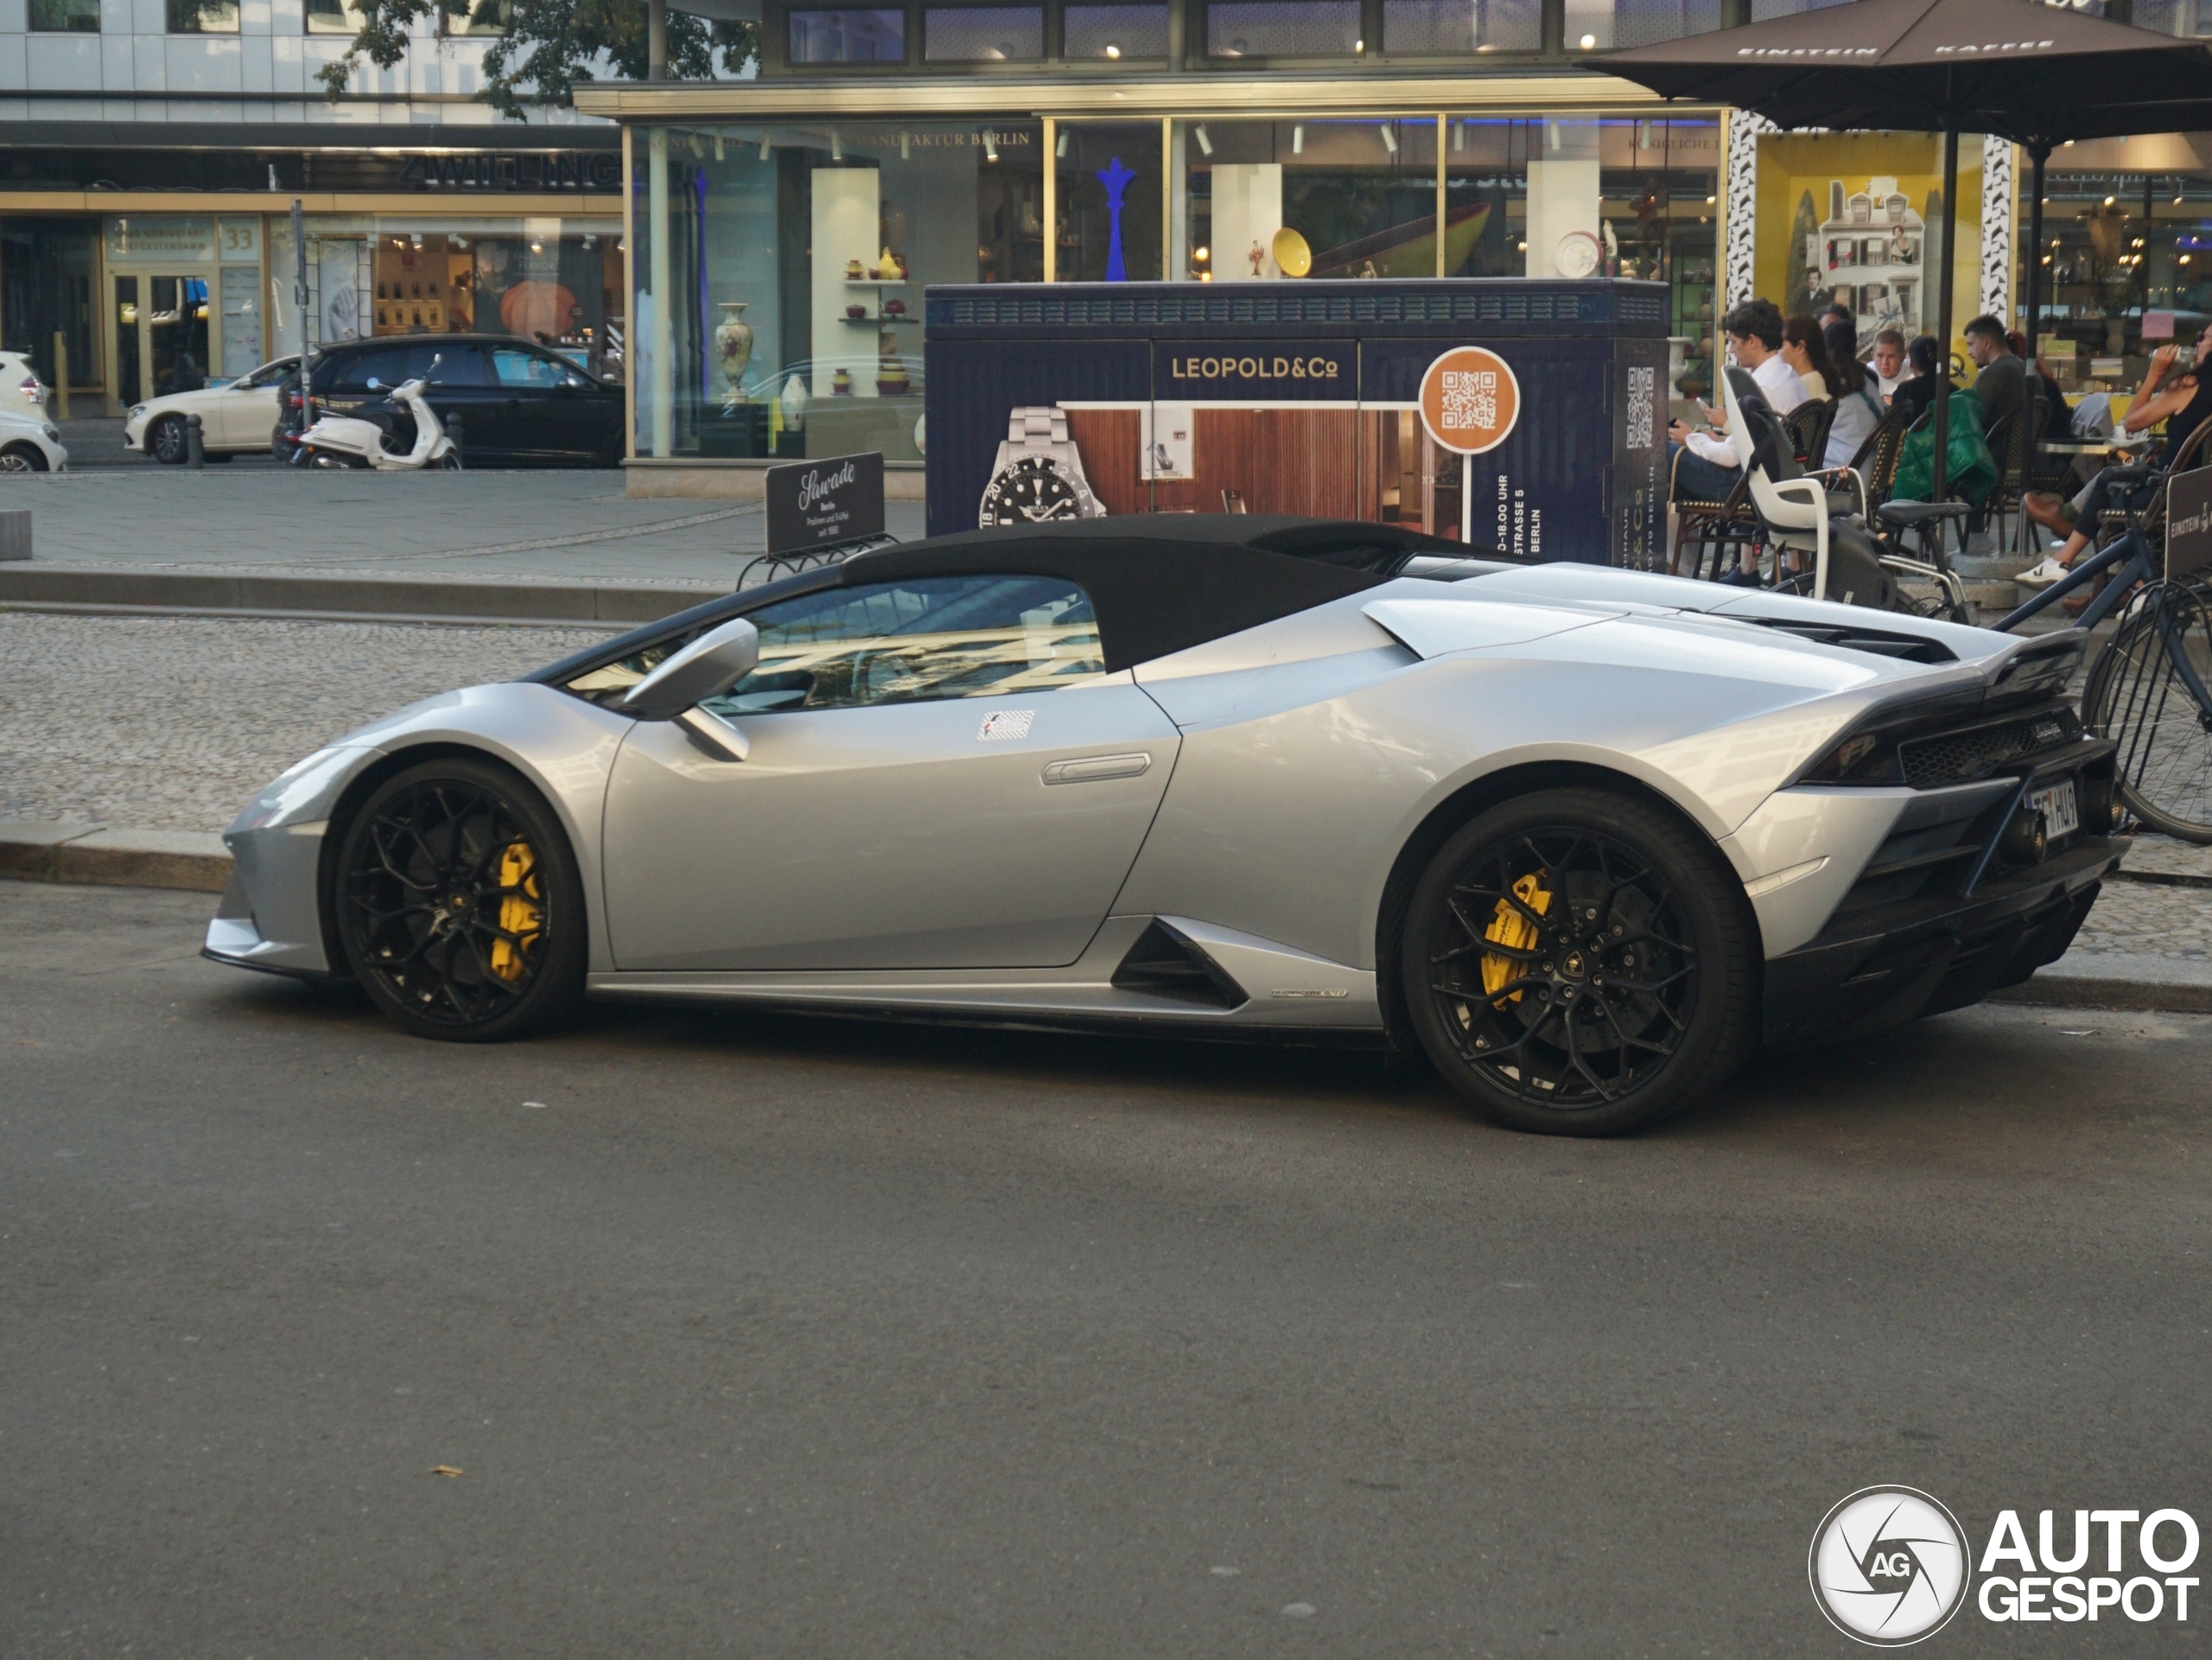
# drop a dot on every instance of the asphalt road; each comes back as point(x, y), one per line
point(826, 1340)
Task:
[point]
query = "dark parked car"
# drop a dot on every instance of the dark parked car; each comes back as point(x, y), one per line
point(506, 402)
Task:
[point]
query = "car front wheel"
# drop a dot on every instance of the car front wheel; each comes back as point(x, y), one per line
point(1579, 962)
point(459, 904)
point(22, 458)
point(165, 440)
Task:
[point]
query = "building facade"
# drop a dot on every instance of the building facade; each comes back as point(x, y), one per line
point(151, 152)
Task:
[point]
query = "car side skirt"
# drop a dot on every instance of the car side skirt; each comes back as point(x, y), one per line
point(1285, 991)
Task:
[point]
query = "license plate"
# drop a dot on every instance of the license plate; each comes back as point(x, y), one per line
point(2061, 817)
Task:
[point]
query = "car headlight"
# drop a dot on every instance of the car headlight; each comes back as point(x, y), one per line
point(137, 409)
point(54, 434)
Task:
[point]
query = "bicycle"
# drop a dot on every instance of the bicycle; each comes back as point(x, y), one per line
point(2147, 689)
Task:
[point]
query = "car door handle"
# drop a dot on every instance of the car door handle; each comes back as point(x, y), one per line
point(1091, 769)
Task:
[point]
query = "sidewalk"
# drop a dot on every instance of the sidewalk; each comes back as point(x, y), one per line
point(143, 535)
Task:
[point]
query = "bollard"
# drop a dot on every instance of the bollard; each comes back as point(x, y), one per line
point(61, 376)
point(454, 431)
point(195, 450)
point(14, 533)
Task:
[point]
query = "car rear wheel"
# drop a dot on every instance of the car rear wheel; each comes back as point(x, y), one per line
point(459, 904)
point(1577, 963)
point(165, 440)
point(22, 458)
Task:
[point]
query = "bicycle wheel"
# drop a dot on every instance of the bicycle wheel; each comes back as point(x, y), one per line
point(2138, 696)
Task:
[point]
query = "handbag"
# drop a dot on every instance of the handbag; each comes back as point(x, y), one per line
point(1970, 471)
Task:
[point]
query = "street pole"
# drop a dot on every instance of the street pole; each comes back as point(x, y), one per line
point(656, 40)
point(2038, 152)
point(1943, 311)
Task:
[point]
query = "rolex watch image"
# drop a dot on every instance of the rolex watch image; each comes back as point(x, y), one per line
point(1038, 472)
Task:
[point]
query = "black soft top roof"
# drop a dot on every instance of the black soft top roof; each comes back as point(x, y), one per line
point(1175, 581)
point(1160, 583)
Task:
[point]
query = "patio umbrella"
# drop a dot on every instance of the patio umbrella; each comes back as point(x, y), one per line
point(2034, 73)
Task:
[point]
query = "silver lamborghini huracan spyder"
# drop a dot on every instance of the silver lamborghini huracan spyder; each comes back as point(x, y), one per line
point(1582, 835)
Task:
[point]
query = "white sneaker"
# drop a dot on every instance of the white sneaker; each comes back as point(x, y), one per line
point(2049, 573)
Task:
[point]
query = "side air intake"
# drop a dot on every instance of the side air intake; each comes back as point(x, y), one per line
point(1163, 963)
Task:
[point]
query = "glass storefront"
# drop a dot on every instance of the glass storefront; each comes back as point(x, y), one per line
point(780, 271)
point(792, 256)
point(2127, 257)
point(557, 281)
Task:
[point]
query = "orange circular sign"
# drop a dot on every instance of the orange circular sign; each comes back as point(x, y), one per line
point(1470, 400)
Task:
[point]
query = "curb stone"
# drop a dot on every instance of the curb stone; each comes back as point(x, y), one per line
point(367, 599)
point(60, 851)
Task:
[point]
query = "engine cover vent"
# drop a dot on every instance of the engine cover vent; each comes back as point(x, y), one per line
point(1165, 963)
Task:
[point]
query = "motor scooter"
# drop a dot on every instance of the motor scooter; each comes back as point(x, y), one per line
point(348, 440)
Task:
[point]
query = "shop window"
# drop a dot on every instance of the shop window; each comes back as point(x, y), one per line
point(1113, 32)
point(483, 17)
point(333, 17)
point(2191, 19)
point(1283, 28)
point(203, 17)
point(1341, 198)
point(65, 17)
point(1438, 26)
point(1601, 25)
point(778, 311)
point(982, 34)
point(1107, 186)
point(847, 36)
point(47, 270)
point(2126, 267)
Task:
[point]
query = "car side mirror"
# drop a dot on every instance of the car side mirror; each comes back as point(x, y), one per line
point(709, 666)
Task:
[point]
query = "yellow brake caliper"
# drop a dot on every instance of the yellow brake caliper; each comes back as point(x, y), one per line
point(1515, 932)
point(519, 911)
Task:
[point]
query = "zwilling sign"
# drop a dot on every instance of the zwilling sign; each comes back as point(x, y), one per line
point(2188, 523)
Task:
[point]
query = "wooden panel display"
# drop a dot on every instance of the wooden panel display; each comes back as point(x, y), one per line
point(1109, 441)
point(1283, 461)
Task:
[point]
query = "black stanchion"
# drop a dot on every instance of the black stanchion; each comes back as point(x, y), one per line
point(195, 448)
point(456, 431)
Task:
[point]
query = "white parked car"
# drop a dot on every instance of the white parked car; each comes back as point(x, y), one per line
point(29, 444)
point(236, 416)
point(21, 393)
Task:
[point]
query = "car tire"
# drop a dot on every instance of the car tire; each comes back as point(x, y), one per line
point(166, 442)
point(1581, 963)
point(459, 904)
point(22, 458)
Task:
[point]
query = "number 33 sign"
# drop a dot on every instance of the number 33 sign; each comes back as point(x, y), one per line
point(1470, 400)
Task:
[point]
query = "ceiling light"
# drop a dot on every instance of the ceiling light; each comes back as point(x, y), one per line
point(836, 146)
point(1389, 139)
point(417, 239)
point(764, 148)
point(1297, 139)
point(1708, 201)
point(1112, 50)
point(1061, 150)
point(1203, 255)
point(718, 147)
point(590, 240)
point(538, 247)
point(990, 146)
point(1587, 42)
point(1459, 136)
point(461, 242)
point(1205, 144)
point(1359, 46)
point(906, 146)
point(2107, 202)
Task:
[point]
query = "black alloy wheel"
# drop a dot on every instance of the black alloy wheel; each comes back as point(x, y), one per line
point(1579, 962)
point(459, 904)
point(165, 440)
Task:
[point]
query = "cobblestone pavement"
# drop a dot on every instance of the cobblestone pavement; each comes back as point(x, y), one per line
point(173, 723)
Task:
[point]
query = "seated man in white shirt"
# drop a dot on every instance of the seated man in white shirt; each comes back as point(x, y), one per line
point(1703, 464)
point(1889, 360)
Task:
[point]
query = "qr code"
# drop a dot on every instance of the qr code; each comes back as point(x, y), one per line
point(1470, 400)
point(1642, 422)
